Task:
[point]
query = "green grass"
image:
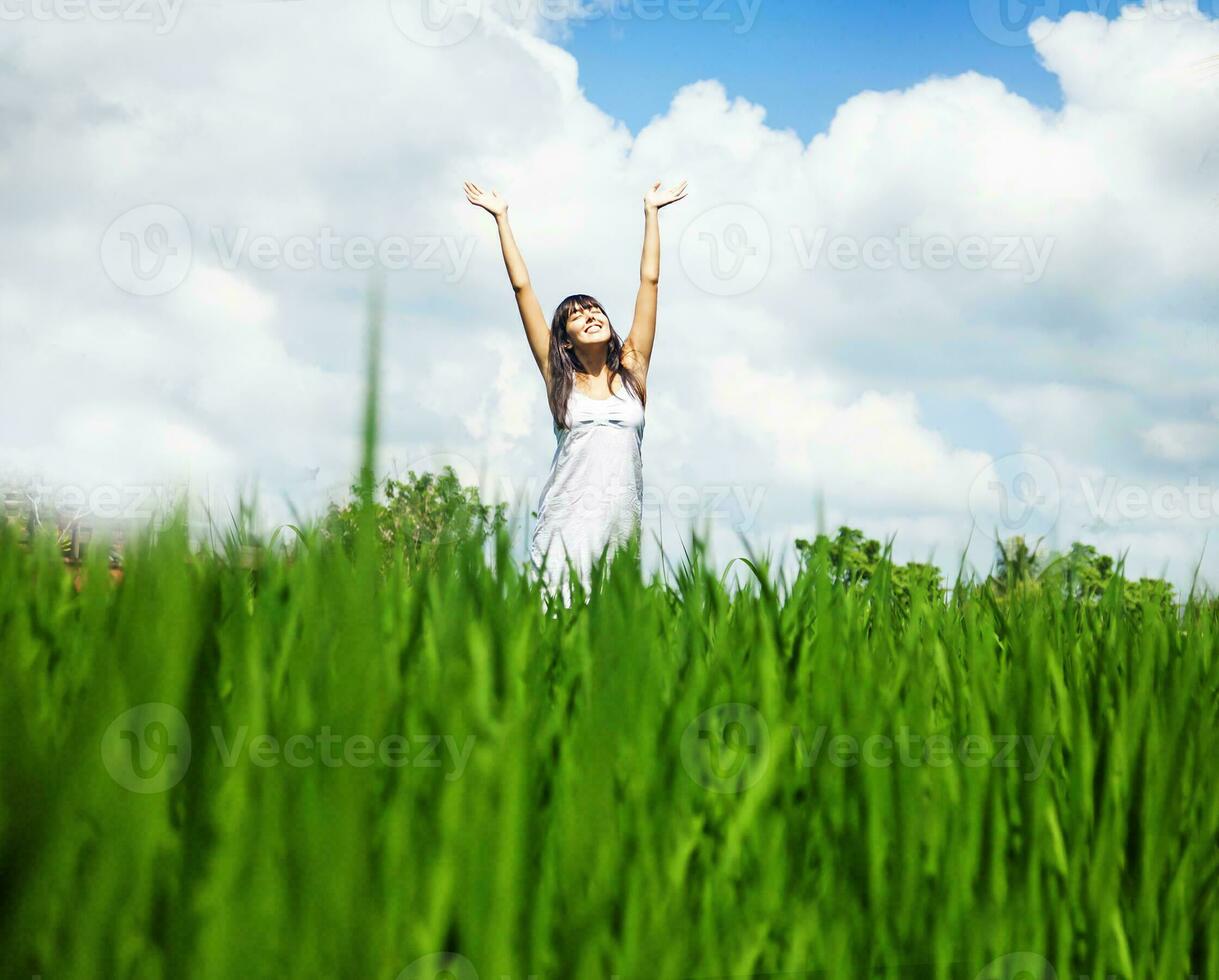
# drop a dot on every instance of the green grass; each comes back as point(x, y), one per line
point(301, 759)
point(609, 818)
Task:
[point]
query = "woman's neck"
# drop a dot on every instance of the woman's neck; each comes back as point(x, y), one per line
point(594, 362)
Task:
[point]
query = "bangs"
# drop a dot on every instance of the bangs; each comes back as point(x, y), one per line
point(578, 304)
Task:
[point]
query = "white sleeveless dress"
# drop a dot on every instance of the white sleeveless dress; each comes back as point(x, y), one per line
point(593, 497)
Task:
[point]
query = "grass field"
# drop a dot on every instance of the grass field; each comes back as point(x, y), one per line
point(316, 768)
point(350, 757)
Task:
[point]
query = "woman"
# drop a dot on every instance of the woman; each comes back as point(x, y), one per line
point(596, 384)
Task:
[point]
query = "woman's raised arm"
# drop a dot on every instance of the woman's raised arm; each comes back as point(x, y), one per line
point(637, 349)
point(537, 330)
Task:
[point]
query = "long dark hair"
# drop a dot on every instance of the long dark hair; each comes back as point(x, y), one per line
point(564, 365)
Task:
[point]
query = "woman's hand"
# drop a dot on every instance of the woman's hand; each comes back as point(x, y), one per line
point(537, 329)
point(489, 201)
point(637, 348)
point(657, 198)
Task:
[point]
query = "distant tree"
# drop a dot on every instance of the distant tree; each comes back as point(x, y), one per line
point(1088, 571)
point(856, 559)
point(418, 515)
point(1017, 565)
point(1150, 593)
point(1082, 571)
point(852, 556)
point(918, 579)
point(36, 512)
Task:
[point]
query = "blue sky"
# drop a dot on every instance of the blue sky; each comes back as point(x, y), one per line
point(802, 58)
point(904, 396)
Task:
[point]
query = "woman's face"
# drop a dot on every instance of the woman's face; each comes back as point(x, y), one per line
point(588, 326)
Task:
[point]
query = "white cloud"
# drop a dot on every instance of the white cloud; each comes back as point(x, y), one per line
point(867, 447)
point(1184, 442)
point(307, 119)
